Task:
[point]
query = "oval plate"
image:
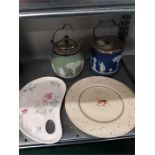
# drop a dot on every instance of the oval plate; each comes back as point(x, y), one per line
point(40, 102)
point(101, 107)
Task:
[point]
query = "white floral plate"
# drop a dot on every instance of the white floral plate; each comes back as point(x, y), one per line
point(101, 107)
point(39, 109)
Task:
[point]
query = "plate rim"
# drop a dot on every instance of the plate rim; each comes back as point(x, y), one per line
point(41, 79)
point(72, 120)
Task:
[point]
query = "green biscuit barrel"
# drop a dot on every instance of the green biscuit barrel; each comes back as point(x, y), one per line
point(67, 60)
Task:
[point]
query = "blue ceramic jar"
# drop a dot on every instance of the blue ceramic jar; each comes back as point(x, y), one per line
point(104, 63)
point(105, 58)
point(106, 54)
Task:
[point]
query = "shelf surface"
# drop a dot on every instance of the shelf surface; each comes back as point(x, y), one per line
point(31, 8)
point(71, 134)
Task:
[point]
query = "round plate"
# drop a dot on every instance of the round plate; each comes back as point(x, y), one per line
point(101, 107)
point(39, 109)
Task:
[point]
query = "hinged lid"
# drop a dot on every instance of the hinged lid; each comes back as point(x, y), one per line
point(65, 46)
point(106, 44)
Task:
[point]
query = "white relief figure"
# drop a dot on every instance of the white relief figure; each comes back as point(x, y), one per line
point(102, 67)
point(80, 64)
point(73, 65)
point(61, 72)
point(116, 59)
point(94, 63)
point(110, 69)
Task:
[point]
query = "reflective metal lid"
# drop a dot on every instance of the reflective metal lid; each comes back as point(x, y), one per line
point(66, 46)
point(108, 44)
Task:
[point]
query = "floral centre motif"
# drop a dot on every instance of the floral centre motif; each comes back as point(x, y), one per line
point(48, 96)
point(102, 102)
point(24, 111)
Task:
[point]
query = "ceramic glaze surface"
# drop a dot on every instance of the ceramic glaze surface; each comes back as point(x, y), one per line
point(67, 66)
point(105, 63)
point(40, 102)
point(101, 102)
point(67, 60)
point(101, 107)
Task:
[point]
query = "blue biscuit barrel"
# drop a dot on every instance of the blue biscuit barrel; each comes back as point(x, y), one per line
point(105, 55)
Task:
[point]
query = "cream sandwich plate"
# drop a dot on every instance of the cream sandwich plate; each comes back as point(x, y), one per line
point(39, 109)
point(101, 107)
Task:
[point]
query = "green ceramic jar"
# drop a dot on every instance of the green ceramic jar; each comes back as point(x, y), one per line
point(67, 60)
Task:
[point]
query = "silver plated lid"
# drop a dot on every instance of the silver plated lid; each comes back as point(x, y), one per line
point(106, 44)
point(65, 46)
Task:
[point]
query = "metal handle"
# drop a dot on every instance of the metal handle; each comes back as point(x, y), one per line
point(63, 27)
point(100, 22)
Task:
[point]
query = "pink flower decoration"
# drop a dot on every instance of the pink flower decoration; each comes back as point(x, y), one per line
point(48, 95)
point(24, 111)
point(101, 102)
